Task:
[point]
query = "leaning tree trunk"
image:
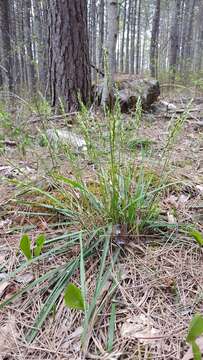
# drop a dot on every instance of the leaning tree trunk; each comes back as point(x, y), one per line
point(154, 41)
point(69, 65)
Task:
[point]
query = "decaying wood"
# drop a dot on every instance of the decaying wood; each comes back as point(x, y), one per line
point(9, 143)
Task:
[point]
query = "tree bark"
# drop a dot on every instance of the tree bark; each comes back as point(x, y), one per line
point(101, 34)
point(154, 40)
point(69, 65)
point(123, 38)
point(94, 37)
point(7, 61)
point(128, 39)
point(174, 50)
point(29, 46)
point(138, 38)
point(189, 40)
point(132, 41)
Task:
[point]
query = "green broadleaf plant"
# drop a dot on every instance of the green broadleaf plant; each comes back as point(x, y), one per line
point(73, 297)
point(25, 246)
point(195, 330)
point(39, 244)
point(197, 236)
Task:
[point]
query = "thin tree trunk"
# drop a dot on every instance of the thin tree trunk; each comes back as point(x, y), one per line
point(189, 40)
point(123, 38)
point(128, 39)
point(154, 40)
point(138, 38)
point(7, 62)
point(28, 44)
point(101, 34)
point(112, 9)
point(200, 40)
point(94, 38)
point(132, 42)
point(174, 50)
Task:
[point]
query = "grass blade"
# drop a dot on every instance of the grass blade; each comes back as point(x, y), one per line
point(111, 328)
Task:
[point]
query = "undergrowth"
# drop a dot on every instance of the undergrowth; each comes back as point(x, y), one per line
point(121, 201)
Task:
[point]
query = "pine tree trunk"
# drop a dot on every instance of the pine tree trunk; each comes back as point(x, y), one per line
point(69, 65)
point(94, 37)
point(132, 41)
point(7, 62)
point(15, 52)
point(154, 41)
point(29, 46)
point(189, 40)
point(128, 39)
point(38, 37)
point(20, 42)
point(174, 50)
point(123, 38)
point(101, 34)
point(185, 17)
point(200, 40)
point(138, 38)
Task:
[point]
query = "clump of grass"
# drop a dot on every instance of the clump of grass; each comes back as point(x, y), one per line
point(120, 194)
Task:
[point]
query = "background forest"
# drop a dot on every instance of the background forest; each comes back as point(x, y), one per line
point(160, 37)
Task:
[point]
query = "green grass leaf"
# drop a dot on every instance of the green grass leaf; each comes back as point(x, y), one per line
point(25, 246)
point(111, 328)
point(197, 236)
point(74, 184)
point(73, 297)
point(196, 351)
point(39, 244)
point(195, 328)
point(82, 275)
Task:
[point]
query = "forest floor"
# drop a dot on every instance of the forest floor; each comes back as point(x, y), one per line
point(160, 286)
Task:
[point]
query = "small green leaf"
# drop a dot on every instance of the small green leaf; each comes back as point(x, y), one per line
point(195, 329)
point(25, 246)
point(196, 351)
point(197, 236)
point(39, 245)
point(111, 328)
point(73, 297)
